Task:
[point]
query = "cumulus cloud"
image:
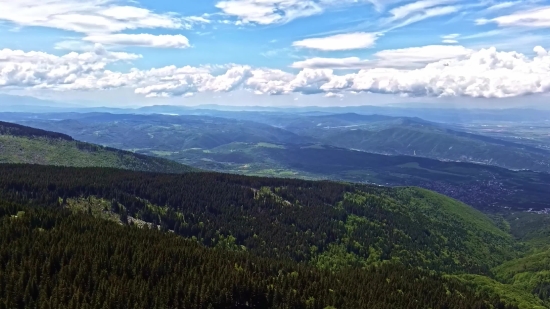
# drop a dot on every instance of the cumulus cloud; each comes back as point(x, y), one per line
point(347, 41)
point(485, 73)
point(72, 71)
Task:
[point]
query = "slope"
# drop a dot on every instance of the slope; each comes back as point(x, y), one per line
point(530, 273)
point(444, 145)
point(20, 144)
point(327, 224)
point(414, 136)
point(482, 186)
point(92, 263)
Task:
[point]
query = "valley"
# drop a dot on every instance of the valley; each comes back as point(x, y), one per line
point(385, 151)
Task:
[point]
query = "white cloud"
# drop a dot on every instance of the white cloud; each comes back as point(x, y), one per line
point(269, 11)
point(143, 39)
point(425, 14)
point(380, 5)
point(97, 18)
point(413, 57)
point(190, 21)
point(486, 73)
point(533, 18)
point(269, 81)
point(348, 41)
point(21, 69)
point(419, 56)
point(484, 34)
point(503, 5)
point(91, 16)
point(333, 95)
point(432, 71)
point(265, 12)
point(450, 38)
point(332, 63)
point(74, 45)
point(413, 12)
point(415, 7)
point(309, 81)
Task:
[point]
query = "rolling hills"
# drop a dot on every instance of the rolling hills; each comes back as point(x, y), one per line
point(240, 147)
point(20, 144)
point(164, 132)
point(336, 233)
point(416, 137)
point(372, 133)
point(482, 186)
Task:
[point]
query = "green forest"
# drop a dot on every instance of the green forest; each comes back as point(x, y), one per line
point(57, 259)
point(109, 238)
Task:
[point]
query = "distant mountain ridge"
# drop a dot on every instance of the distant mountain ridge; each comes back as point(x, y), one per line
point(167, 136)
point(21, 144)
point(416, 137)
point(165, 132)
point(7, 128)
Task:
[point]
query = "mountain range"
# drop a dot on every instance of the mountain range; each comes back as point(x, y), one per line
point(372, 133)
point(241, 149)
point(302, 239)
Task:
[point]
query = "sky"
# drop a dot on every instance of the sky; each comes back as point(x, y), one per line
point(465, 53)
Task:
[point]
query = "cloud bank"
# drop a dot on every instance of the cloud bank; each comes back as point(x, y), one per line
point(428, 71)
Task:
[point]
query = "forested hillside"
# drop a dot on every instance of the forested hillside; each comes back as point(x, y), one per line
point(323, 223)
point(482, 186)
point(20, 144)
point(57, 259)
point(210, 240)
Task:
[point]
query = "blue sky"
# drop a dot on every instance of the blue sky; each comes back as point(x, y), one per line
point(334, 52)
